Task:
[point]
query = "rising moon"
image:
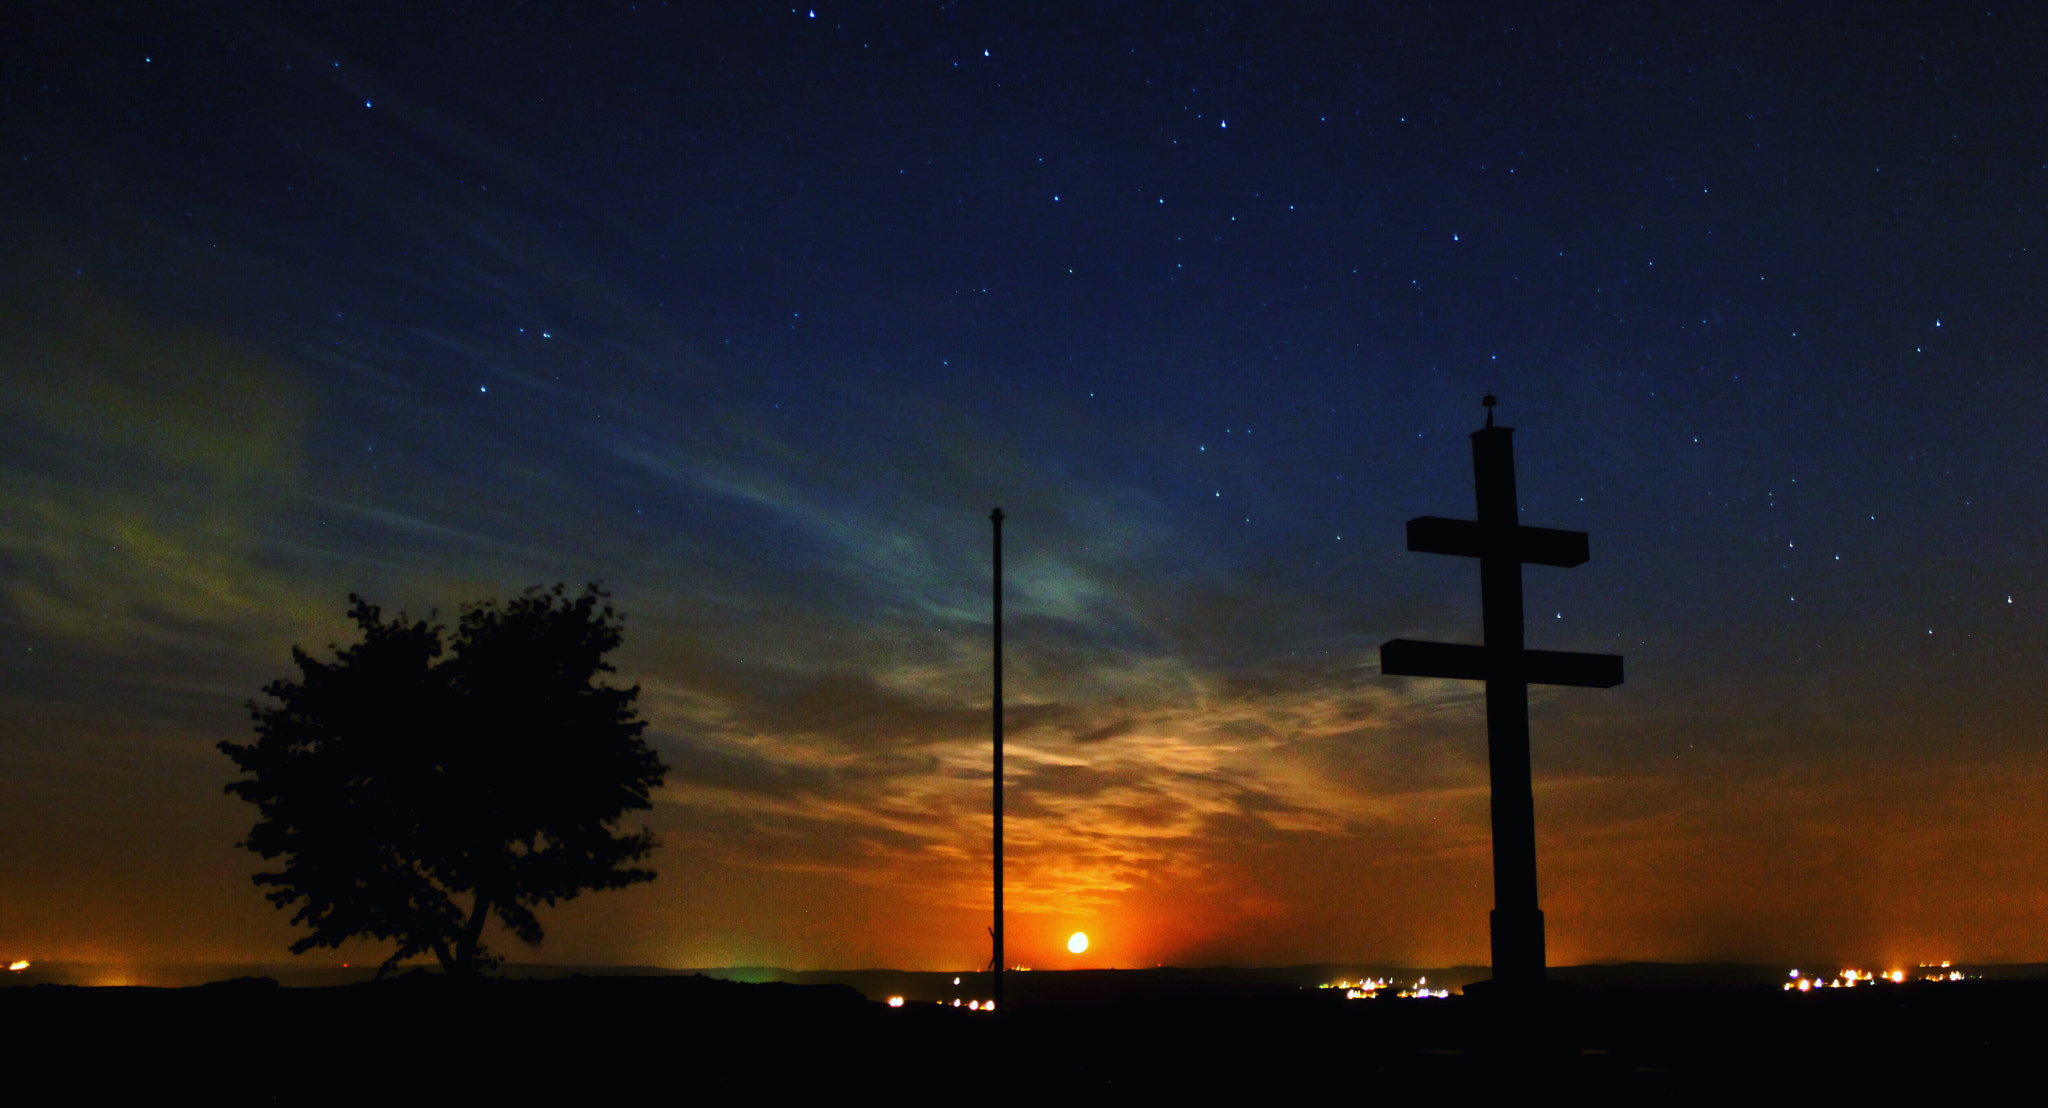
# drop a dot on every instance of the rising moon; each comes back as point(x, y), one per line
point(1078, 943)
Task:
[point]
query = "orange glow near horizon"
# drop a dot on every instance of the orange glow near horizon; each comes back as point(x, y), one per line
point(1879, 866)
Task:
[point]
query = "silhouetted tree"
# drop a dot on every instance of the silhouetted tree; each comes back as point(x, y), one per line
point(415, 786)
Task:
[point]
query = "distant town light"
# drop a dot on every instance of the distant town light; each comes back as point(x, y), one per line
point(1851, 978)
point(1368, 988)
point(895, 1002)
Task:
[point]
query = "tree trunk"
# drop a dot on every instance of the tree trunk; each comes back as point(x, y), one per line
point(472, 934)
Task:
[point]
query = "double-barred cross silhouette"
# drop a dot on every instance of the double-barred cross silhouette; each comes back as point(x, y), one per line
point(1503, 545)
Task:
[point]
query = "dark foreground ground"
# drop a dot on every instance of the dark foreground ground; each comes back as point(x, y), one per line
point(1080, 1038)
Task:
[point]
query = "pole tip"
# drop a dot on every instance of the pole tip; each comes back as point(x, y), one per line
point(996, 515)
point(1489, 402)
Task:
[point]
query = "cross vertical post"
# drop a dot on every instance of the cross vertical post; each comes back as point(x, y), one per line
point(1516, 923)
point(996, 930)
point(1501, 543)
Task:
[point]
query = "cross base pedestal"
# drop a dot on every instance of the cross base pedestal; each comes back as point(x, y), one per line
point(1518, 955)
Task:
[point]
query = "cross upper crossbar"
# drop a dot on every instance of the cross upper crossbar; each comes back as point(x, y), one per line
point(1464, 538)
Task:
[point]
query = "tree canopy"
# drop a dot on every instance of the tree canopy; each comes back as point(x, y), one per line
point(420, 782)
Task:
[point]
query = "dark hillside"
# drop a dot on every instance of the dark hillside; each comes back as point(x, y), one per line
point(602, 1037)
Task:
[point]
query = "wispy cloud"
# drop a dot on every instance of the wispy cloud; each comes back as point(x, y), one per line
point(141, 463)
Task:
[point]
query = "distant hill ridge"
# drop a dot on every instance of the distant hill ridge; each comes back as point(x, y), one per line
point(933, 985)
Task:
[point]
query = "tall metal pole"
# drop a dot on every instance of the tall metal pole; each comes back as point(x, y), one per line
point(996, 932)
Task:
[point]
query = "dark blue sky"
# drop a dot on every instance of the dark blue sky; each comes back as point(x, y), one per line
point(754, 312)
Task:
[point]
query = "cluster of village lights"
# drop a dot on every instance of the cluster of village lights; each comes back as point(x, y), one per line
point(1850, 978)
point(970, 1005)
point(1368, 988)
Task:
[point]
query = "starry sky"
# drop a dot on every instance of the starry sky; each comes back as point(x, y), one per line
point(754, 312)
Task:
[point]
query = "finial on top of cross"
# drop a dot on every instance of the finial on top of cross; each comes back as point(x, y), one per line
point(1489, 402)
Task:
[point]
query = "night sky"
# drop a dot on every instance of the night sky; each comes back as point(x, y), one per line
point(753, 313)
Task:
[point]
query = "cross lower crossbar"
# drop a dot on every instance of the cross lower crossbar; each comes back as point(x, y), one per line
point(1539, 546)
point(1464, 662)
